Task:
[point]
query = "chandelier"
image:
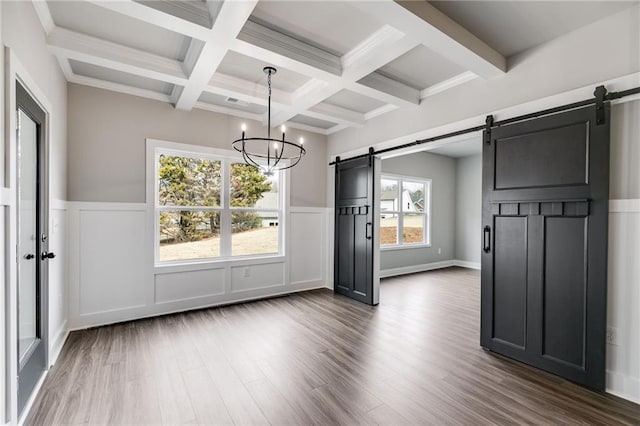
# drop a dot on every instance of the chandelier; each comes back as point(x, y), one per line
point(269, 154)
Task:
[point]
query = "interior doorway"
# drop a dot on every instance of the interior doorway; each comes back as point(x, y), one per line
point(32, 244)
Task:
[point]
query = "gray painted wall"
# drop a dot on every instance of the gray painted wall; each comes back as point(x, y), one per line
point(468, 208)
point(624, 175)
point(442, 172)
point(107, 132)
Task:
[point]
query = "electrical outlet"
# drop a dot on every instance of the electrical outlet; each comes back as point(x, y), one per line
point(613, 336)
point(439, 250)
point(247, 272)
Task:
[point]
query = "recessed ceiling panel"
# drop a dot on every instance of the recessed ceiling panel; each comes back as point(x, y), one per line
point(310, 121)
point(336, 27)
point(93, 20)
point(354, 101)
point(246, 68)
point(195, 11)
point(100, 73)
point(511, 27)
point(420, 68)
point(232, 103)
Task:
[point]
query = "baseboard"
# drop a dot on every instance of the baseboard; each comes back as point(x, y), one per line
point(58, 343)
point(623, 386)
point(76, 325)
point(385, 273)
point(467, 264)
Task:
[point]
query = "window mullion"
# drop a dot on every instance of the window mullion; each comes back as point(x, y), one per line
point(225, 214)
point(400, 215)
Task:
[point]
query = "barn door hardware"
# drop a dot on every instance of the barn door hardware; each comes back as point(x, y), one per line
point(487, 129)
point(600, 94)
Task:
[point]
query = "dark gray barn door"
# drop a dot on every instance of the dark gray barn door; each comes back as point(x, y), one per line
point(544, 261)
point(354, 228)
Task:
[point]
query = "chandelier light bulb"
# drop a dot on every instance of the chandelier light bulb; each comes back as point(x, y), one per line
point(243, 127)
point(283, 128)
point(275, 145)
point(301, 141)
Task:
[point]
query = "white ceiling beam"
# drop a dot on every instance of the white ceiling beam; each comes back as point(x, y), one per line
point(378, 49)
point(336, 114)
point(312, 129)
point(447, 84)
point(156, 17)
point(229, 111)
point(117, 87)
point(438, 32)
point(92, 50)
point(230, 19)
point(382, 83)
point(379, 111)
point(44, 15)
point(256, 34)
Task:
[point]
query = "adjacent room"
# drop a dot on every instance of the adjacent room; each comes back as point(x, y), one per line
point(319, 212)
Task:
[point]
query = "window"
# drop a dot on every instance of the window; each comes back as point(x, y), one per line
point(405, 203)
point(212, 207)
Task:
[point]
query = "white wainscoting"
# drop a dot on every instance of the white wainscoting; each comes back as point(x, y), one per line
point(58, 278)
point(113, 279)
point(623, 310)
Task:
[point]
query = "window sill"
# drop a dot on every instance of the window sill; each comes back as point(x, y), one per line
point(404, 247)
point(199, 265)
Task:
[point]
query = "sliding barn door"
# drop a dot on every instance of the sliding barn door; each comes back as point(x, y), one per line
point(544, 261)
point(355, 266)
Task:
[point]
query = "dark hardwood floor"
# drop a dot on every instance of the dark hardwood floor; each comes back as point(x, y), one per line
point(314, 358)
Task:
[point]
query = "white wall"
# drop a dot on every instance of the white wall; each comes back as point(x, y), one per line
point(623, 357)
point(468, 212)
point(22, 33)
point(112, 277)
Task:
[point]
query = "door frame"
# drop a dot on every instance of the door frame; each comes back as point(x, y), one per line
point(15, 72)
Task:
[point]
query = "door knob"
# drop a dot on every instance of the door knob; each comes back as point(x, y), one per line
point(47, 255)
point(29, 256)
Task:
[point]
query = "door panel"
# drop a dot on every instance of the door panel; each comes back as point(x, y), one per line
point(564, 289)
point(561, 153)
point(510, 280)
point(354, 262)
point(544, 273)
point(32, 244)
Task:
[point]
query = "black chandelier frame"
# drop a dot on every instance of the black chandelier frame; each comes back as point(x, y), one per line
point(252, 158)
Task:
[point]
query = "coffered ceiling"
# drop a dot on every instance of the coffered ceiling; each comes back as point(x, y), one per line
point(340, 63)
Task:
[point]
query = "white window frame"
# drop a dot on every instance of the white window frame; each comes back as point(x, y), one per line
point(155, 148)
point(426, 214)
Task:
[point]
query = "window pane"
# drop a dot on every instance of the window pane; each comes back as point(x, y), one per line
point(388, 229)
point(413, 196)
point(184, 181)
point(189, 235)
point(251, 188)
point(389, 195)
point(413, 228)
point(254, 232)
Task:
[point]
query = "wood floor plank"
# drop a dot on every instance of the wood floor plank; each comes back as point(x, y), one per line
point(314, 358)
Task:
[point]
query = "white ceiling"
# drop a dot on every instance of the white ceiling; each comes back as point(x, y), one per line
point(512, 27)
point(340, 63)
point(459, 149)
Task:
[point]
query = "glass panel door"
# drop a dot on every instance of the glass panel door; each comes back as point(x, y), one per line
point(28, 333)
point(32, 244)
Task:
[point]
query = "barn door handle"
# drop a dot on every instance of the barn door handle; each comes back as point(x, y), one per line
point(368, 234)
point(486, 239)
